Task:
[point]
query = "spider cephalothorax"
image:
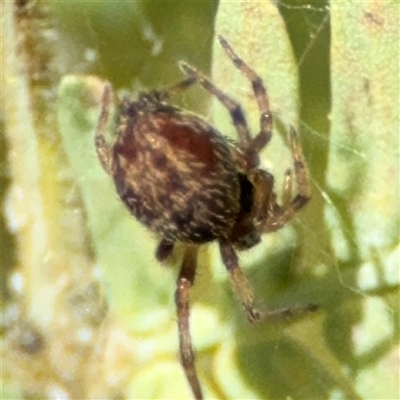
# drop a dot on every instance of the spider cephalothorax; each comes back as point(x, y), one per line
point(179, 176)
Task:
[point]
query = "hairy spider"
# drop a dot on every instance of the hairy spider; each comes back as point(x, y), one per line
point(181, 178)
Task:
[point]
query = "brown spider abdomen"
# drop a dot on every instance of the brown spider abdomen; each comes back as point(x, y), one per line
point(175, 173)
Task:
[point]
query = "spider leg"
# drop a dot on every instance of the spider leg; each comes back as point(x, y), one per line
point(244, 292)
point(264, 196)
point(234, 108)
point(164, 250)
point(241, 286)
point(260, 93)
point(301, 172)
point(184, 283)
point(283, 214)
point(102, 148)
point(287, 189)
point(177, 88)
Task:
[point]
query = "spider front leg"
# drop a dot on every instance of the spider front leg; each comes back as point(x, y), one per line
point(234, 108)
point(176, 89)
point(260, 93)
point(250, 146)
point(103, 149)
point(184, 283)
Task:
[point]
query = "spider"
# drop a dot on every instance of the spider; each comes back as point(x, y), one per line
point(180, 177)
